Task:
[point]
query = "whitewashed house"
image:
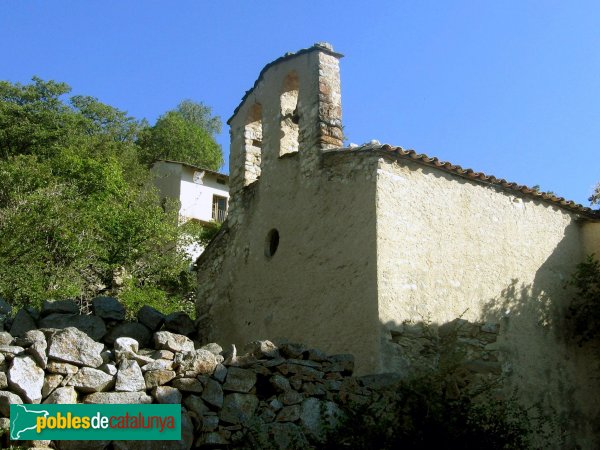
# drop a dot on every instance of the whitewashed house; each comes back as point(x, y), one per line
point(202, 194)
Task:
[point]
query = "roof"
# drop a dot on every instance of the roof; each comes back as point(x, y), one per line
point(319, 46)
point(470, 174)
point(193, 167)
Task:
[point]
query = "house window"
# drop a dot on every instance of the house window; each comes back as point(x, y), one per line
point(219, 208)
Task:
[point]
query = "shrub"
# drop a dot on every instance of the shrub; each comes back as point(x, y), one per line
point(584, 310)
point(417, 415)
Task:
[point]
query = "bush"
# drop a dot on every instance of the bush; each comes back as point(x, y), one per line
point(584, 310)
point(417, 415)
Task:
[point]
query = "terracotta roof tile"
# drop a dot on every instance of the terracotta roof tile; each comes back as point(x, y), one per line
point(400, 153)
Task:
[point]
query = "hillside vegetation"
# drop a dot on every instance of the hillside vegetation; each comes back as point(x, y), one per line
point(78, 213)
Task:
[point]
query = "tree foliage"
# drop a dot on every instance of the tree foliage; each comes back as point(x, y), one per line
point(185, 134)
point(78, 213)
point(595, 197)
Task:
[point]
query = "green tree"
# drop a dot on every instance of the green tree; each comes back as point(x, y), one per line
point(185, 134)
point(78, 213)
point(595, 197)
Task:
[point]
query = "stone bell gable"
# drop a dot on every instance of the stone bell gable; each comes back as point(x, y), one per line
point(293, 108)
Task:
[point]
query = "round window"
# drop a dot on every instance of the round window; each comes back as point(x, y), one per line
point(271, 243)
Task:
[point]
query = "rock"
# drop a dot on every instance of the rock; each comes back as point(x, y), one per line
point(26, 379)
point(62, 368)
point(220, 373)
point(280, 383)
point(91, 325)
point(74, 346)
point(160, 377)
point(113, 398)
point(108, 308)
point(275, 404)
point(342, 363)
point(214, 439)
point(126, 344)
point(62, 396)
point(82, 445)
point(11, 349)
point(41, 445)
point(187, 385)
point(163, 354)
point(129, 377)
point(6, 399)
point(239, 380)
point(3, 381)
point(210, 423)
point(60, 307)
point(486, 367)
point(150, 317)
point(159, 364)
point(303, 371)
point(179, 322)
point(490, 327)
point(288, 414)
point(215, 349)
point(213, 393)
point(382, 380)
point(316, 417)
point(132, 330)
point(38, 347)
point(314, 389)
point(291, 397)
point(142, 360)
point(125, 348)
point(238, 408)
point(166, 394)
point(51, 382)
point(22, 323)
point(280, 436)
point(292, 350)
point(109, 368)
point(316, 355)
point(262, 349)
point(5, 338)
point(165, 340)
point(89, 380)
point(196, 405)
point(194, 363)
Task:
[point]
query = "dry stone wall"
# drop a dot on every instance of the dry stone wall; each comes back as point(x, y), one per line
point(271, 396)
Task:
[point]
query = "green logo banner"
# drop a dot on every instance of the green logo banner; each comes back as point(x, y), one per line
point(95, 422)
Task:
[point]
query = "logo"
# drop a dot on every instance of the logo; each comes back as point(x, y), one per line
point(95, 422)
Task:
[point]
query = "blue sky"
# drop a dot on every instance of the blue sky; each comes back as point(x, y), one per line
point(510, 88)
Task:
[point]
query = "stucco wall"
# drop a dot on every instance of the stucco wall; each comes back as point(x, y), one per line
point(320, 286)
point(196, 197)
point(449, 248)
point(167, 178)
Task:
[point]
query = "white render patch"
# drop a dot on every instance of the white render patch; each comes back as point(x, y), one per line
point(390, 175)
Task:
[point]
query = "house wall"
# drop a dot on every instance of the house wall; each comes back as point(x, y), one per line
point(448, 248)
point(167, 178)
point(196, 199)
